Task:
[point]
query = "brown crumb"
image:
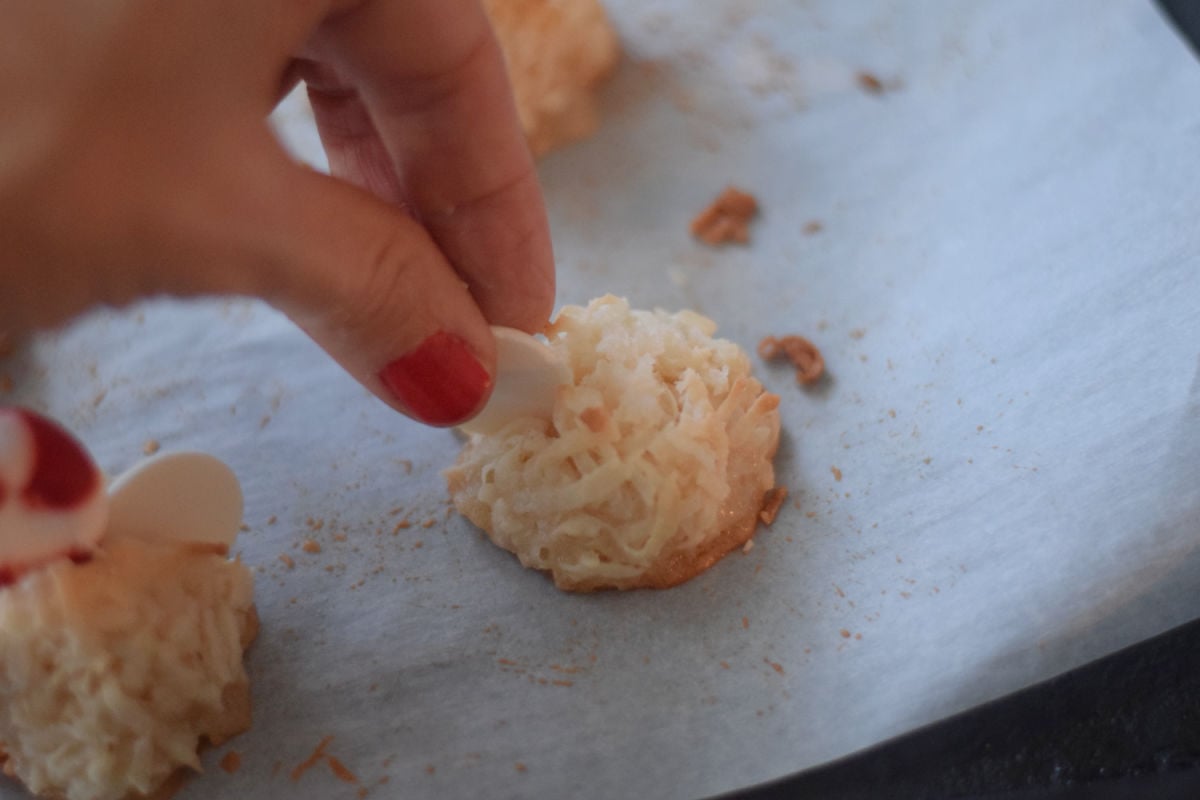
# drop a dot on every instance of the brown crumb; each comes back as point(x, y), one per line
point(272, 519)
point(317, 754)
point(837, 473)
point(772, 501)
point(311, 546)
point(858, 333)
point(430, 769)
point(401, 525)
point(775, 666)
point(869, 83)
point(150, 447)
point(287, 561)
point(813, 227)
point(803, 354)
point(429, 523)
point(520, 767)
point(727, 218)
point(231, 762)
point(745, 622)
point(340, 771)
point(845, 634)
point(362, 792)
point(724, 665)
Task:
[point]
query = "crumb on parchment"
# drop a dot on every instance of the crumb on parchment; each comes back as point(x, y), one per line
point(803, 354)
point(727, 218)
point(231, 762)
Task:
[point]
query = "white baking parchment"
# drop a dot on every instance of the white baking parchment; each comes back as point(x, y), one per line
point(999, 481)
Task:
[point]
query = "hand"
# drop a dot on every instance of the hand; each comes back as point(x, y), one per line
point(135, 159)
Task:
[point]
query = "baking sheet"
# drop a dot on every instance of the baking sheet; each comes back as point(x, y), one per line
point(1000, 481)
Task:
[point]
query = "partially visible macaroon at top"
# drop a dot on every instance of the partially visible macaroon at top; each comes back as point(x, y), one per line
point(558, 53)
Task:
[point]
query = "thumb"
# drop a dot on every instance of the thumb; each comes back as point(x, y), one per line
point(369, 285)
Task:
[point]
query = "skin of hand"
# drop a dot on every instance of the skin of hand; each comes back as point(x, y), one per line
point(136, 160)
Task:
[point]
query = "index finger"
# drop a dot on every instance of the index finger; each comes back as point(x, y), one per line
point(432, 77)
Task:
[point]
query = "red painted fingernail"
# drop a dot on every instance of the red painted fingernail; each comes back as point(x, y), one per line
point(63, 476)
point(440, 382)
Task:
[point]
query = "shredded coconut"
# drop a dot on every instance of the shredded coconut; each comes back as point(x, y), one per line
point(112, 671)
point(654, 465)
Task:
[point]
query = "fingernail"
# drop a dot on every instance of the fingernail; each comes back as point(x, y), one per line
point(440, 382)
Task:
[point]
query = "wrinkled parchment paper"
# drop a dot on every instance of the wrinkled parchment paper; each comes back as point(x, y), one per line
point(999, 481)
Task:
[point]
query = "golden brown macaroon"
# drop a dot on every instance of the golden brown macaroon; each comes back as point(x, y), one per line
point(654, 466)
point(114, 672)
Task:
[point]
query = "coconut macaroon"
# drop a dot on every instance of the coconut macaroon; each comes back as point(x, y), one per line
point(557, 52)
point(113, 671)
point(121, 653)
point(654, 465)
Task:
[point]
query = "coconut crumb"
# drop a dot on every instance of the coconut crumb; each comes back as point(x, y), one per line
point(869, 83)
point(727, 218)
point(231, 762)
point(317, 754)
point(803, 354)
point(340, 770)
point(151, 447)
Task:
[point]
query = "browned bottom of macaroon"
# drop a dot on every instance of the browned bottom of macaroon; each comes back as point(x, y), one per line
point(678, 567)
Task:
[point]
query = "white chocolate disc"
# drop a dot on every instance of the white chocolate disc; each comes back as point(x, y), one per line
point(52, 500)
point(528, 374)
point(185, 497)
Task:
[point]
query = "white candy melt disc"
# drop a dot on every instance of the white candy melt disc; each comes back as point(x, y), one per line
point(185, 497)
point(52, 501)
point(528, 374)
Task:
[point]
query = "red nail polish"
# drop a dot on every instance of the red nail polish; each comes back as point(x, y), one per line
point(63, 476)
point(440, 382)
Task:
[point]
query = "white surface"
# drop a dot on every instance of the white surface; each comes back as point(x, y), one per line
point(1005, 291)
point(528, 374)
point(189, 497)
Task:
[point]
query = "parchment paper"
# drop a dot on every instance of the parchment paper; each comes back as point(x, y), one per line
point(1005, 288)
